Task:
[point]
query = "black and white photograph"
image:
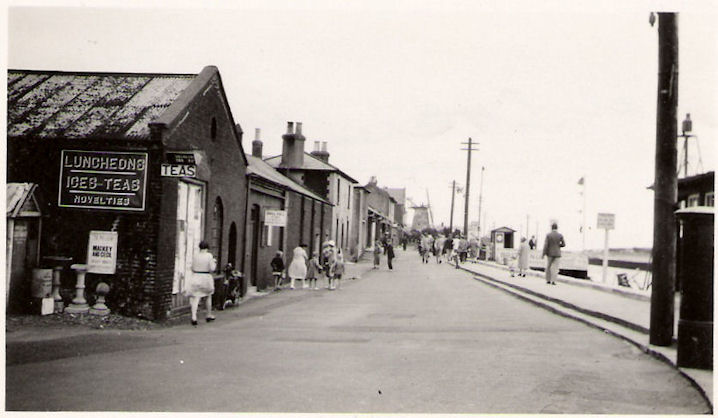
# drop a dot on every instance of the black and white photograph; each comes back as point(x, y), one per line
point(360, 207)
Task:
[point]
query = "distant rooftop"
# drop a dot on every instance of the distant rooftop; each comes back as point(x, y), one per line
point(264, 170)
point(310, 163)
point(53, 104)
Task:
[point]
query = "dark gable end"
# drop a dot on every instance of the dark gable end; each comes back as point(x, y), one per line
point(175, 113)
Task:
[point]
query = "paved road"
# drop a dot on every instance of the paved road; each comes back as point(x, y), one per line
point(423, 338)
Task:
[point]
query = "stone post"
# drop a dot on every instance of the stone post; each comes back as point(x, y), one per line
point(79, 303)
point(99, 308)
point(56, 273)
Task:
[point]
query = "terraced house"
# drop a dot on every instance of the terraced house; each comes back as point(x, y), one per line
point(152, 161)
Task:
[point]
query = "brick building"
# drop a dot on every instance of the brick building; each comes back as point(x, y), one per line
point(154, 158)
point(313, 171)
point(381, 207)
point(306, 217)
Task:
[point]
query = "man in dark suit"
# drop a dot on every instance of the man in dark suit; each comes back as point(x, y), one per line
point(552, 250)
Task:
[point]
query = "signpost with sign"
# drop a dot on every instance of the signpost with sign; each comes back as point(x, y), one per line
point(102, 252)
point(606, 221)
point(103, 180)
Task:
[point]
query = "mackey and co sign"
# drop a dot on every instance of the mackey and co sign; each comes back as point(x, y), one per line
point(103, 180)
point(102, 252)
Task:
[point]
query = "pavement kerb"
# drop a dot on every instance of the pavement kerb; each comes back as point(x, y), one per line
point(610, 318)
point(591, 320)
point(577, 282)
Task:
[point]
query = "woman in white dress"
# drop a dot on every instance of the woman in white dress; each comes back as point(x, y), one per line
point(201, 285)
point(298, 266)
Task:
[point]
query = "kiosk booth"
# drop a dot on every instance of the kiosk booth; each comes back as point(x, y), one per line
point(24, 223)
point(502, 244)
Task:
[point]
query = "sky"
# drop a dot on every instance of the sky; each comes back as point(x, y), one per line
point(551, 93)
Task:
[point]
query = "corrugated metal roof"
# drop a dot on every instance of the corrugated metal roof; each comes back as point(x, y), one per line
point(81, 105)
point(262, 169)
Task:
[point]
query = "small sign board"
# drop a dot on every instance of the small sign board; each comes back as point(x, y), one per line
point(103, 180)
point(275, 217)
point(606, 221)
point(102, 252)
point(183, 158)
point(178, 170)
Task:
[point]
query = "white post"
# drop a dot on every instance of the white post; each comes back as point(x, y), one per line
point(604, 272)
point(79, 303)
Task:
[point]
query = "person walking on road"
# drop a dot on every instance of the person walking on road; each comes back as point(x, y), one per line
point(201, 283)
point(552, 250)
point(313, 270)
point(523, 257)
point(439, 248)
point(298, 266)
point(425, 248)
point(338, 269)
point(277, 264)
point(389, 250)
point(377, 254)
point(532, 242)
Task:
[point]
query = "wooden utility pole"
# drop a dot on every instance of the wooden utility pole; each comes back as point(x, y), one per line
point(468, 150)
point(451, 217)
point(481, 192)
point(665, 184)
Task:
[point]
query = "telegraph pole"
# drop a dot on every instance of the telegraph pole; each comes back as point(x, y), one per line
point(481, 192)
point(468, 150)
point(451, 217)
point(665, 184)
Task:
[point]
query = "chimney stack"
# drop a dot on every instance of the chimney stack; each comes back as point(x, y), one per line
point(321, 152)
point(293, 146)
point(257, 144)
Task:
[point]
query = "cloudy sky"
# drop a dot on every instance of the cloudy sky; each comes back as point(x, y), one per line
point(552, 93)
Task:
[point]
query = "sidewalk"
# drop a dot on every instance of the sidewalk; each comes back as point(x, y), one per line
point(623, 313)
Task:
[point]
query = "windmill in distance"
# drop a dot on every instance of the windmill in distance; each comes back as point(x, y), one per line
point(422, 215)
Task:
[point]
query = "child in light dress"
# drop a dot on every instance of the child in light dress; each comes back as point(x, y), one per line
point(313, 270)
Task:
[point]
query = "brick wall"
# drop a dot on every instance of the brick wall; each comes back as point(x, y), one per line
point(223, 173)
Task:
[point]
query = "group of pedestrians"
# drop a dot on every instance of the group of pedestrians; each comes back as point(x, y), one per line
point(309, 269)
point(450, 249)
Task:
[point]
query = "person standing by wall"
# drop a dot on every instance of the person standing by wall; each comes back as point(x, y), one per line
point(298, 266)
point(523, 257)
point(552, 250)
point(277, 264)
point(201, 284)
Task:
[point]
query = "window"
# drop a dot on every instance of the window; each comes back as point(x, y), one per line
point(266, 235)
point(693, 200)
point(710, 199)
point(339, 192)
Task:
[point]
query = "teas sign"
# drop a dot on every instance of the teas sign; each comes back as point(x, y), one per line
point(103, 180)
point(102, 252)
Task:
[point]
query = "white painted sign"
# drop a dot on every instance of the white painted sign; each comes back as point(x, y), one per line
point(102, 252)
point(606, 221)
point(178, 170)
point(275, 217)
